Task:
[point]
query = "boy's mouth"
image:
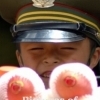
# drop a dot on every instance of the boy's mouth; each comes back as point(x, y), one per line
point(46, 74)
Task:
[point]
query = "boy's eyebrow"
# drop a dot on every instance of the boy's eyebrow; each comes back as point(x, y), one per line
point(73, 44)
point(31, 44)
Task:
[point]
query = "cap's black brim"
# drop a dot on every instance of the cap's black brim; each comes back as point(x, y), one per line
point(47, 36)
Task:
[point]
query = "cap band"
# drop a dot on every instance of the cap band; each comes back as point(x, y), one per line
point(32, 14)
point(44, 15)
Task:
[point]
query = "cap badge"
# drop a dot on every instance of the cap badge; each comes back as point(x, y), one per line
point(43, 3)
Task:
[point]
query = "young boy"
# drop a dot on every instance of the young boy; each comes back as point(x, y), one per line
point(48, 33)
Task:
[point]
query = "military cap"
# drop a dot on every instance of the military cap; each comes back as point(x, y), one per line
point(52, 20)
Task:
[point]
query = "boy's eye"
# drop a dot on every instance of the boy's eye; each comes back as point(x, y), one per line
point(37, 48)
point(69, 48)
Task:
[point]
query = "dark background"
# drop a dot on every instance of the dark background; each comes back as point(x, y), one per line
point(7, 47)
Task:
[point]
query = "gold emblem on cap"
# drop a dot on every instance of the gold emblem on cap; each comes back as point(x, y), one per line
point(43, 3)
point(98, 35)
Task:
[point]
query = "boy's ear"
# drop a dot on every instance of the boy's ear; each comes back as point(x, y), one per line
point(95, 58)
point(18, 55)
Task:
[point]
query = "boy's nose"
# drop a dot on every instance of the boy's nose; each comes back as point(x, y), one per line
point(51, 60)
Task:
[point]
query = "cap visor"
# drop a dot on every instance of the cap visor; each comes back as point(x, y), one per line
point(48, 36)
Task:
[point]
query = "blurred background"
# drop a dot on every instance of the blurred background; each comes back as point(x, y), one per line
point(7, 47)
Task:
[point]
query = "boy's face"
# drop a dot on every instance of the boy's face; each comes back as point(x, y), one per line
point(44, 57)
